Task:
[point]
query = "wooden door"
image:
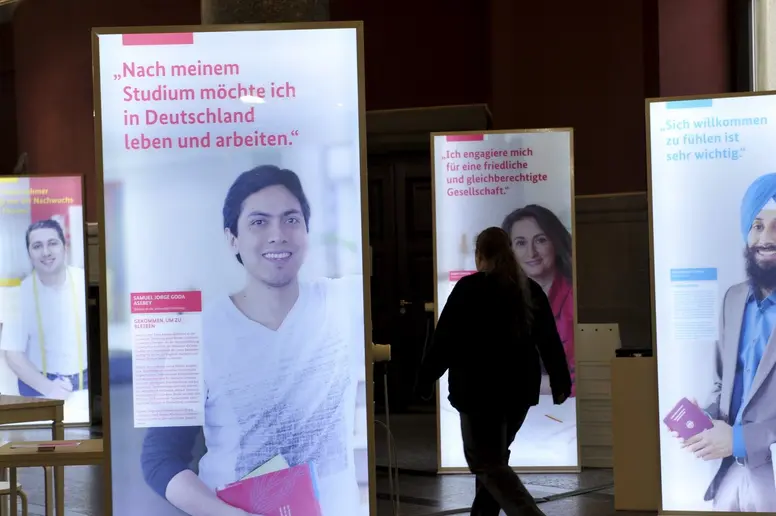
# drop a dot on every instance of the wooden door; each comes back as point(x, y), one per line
point(400, 221)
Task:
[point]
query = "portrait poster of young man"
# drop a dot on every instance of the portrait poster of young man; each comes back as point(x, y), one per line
point(280, 360)
point(263, 228)
point(43, 326)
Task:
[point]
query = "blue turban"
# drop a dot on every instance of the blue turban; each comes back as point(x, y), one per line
point(762, 190)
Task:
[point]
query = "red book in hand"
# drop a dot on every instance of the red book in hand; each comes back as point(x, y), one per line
point(287, 492)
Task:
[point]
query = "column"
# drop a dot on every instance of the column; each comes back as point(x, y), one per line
point(764, 13)
point(221, 12)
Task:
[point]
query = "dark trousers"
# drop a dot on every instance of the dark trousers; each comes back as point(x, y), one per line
point(26, 390)
point(486, 441)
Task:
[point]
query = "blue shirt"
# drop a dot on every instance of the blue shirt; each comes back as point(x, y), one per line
point(759, 322)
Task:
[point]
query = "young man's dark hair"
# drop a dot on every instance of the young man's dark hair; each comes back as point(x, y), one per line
point(255, 180)
point(45, 224)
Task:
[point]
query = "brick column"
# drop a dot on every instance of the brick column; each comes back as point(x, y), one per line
point(218, 12)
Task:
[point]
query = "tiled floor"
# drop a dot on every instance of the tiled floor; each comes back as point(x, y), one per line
point(420, 491)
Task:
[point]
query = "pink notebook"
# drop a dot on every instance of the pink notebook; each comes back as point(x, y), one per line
point(687, 420)
point(291, 491)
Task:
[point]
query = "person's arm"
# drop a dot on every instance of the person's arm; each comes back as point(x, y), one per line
point(565, 325)
point(189, 494)
point(26, 372)
point(350, 301)
point(450, 330)
point(739, 441)
point(545, 335)
point(755, 439)
point(166, 452)
point(14, 342)
point(712, 403)
point(740, 447)
point(165, 460)
point(711, 406)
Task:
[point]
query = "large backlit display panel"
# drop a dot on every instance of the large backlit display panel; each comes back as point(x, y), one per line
point(712, 192)
point(521, 181)
point(231, 163)
point(43, 324)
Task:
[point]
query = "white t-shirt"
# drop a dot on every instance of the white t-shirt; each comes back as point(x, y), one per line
point(289, 392)
point(62, 317)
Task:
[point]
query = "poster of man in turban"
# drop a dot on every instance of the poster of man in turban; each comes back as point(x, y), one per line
point(741, 405)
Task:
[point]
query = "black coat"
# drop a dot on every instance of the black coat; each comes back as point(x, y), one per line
point(495, 361)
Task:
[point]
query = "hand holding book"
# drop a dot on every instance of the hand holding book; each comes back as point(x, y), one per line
point(275, 489)
point(687, 420)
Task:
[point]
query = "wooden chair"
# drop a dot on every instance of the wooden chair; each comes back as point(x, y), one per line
point(5, 490)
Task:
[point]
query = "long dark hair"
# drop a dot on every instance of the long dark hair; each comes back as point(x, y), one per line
point(552, 227)
point(494, 247)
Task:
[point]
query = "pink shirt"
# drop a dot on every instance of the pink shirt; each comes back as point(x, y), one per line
point(561, 297)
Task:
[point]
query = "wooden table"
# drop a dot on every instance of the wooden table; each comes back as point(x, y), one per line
point(87, 453)
point(21, 409)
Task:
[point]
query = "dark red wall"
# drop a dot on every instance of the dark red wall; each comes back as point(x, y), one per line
point(592, 65)
point(588, 65)
point(422, 52)
point(695, 50)
point(52, 48)
point(583, 68)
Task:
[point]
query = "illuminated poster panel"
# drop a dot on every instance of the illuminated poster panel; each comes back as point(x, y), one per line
point(713, 217)
point(521, 181)
point(43, 328)
point(235, 236)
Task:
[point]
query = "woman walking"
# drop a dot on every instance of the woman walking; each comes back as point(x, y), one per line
point(495, 332)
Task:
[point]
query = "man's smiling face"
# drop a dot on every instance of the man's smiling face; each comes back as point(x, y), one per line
point(760, 251)
point(271, 236)
point(47, 251)
point(762, 237)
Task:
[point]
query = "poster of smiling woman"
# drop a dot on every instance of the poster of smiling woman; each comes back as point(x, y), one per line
point(521, 181)
point(43, 330)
